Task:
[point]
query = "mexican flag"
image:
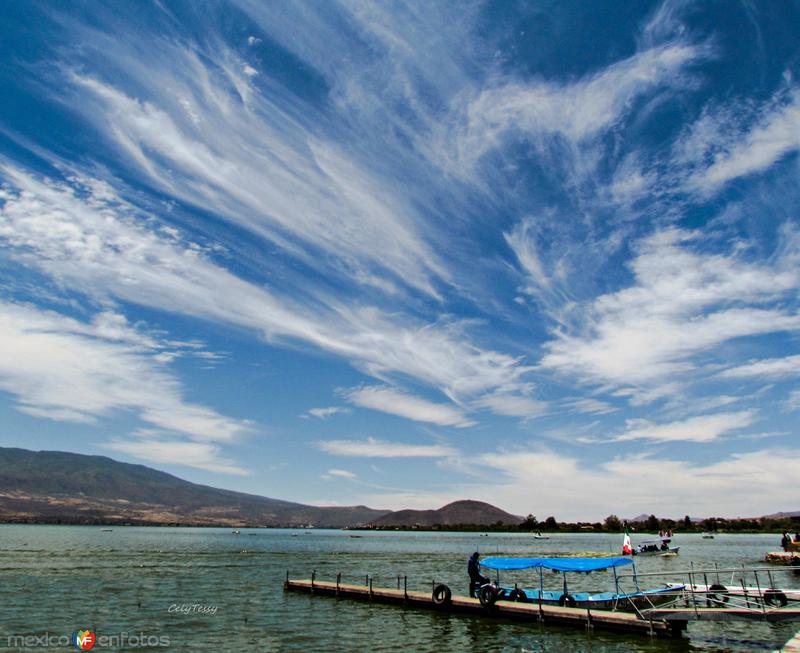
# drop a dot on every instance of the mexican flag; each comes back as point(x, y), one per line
point(627, 549)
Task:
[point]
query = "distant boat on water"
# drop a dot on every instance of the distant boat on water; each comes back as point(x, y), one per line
point(708, 536)
point(657, 547)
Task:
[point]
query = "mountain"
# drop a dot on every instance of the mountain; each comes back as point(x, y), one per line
point(782, 515)
point(59, 487)
point(637, 519)
point(453, 514)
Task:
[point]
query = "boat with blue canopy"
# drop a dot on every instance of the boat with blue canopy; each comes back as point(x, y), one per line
point(601, 600)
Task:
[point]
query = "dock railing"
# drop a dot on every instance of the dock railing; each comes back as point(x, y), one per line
point(717, 593)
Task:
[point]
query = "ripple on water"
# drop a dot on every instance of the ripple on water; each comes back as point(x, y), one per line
point(58, 578)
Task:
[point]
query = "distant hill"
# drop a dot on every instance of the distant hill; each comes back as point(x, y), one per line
point(59, 487)
point(453, 514)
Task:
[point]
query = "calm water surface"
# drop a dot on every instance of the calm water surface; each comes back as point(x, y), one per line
point(57, 578)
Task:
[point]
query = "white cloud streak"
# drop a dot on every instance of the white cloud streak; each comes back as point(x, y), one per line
point(591, 406)
point(208, 137)
point(395, 402)
point(339, 473)
point(772, 368)
point(746, 152)
point(99, 245)
point(576, 112)
point(792, 402)
point(681, 303)
point(703, 428)
point(372, 448)
point(325, 413)
point(200, 455)
point(513, 405)
point(67, 370)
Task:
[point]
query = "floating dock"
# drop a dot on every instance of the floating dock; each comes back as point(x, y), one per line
point(577, 617)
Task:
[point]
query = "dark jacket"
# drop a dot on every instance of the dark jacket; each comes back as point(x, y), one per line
point(474, 568)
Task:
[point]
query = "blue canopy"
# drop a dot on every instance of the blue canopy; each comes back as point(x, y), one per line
point(557, 564)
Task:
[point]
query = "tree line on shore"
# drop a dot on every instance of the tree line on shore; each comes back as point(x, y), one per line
point(614, 524)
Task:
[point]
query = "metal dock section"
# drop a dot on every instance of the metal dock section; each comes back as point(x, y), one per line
point(577, 617)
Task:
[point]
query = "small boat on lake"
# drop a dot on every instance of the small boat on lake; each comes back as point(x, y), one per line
point(656, 547)
point(598, 600)
point(539, 536)
point(707, 536)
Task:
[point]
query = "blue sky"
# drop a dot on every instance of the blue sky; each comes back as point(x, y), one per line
point(543, 254)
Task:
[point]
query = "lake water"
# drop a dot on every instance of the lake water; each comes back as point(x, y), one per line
point(209, 589)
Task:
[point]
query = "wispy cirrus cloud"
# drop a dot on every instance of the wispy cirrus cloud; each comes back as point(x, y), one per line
point(68, 370)
point(525, 242)
point(702, 428)
point(339, 473)
point(372, 448)
point(591, 406)
point(395, 402)
point(720, 148)
point(792, 402)
point(772, 368)
point(513, 404)
point(575, 112)
point(682, 302)
point(325, 413)
point(200, 455)
point(100, 245)
point(212, 133)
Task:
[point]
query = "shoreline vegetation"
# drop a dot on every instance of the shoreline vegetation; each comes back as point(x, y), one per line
point(612, 524)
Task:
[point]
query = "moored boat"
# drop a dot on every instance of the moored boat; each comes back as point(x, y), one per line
point(599, 600)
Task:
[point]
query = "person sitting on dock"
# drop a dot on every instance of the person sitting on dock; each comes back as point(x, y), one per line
point(476, 579)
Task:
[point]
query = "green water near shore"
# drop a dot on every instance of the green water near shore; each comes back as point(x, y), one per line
point(208, 589)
